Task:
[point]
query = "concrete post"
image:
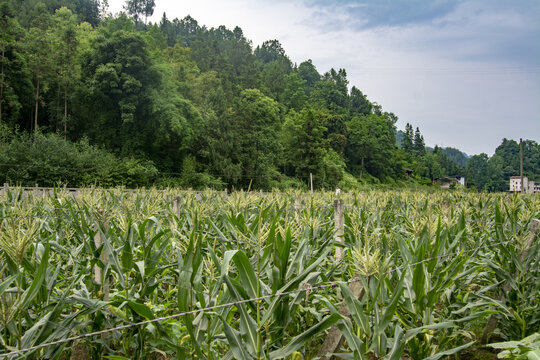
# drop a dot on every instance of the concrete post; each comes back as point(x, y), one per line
point(339, 227)
point(176, 206)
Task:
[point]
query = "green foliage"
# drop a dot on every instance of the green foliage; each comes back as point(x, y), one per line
point(304, 144)
point(177, 92)
point(526, 349)
point(370, 145)
point(50, 160)
point(431, 267)
point(140, 8)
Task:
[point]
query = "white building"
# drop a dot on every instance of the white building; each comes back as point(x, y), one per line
point(448, 182)
point(529, 186)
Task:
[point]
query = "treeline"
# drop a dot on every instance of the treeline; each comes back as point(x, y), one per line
point(114, 100)
point(493, 173)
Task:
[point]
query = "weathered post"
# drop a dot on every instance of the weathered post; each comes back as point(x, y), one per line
point(99, 277)
point(335, 339)
point(5, 189)
point(176, 206)
point(97, 244)
point(311, 181)
point(339, 227)
point(105, 261)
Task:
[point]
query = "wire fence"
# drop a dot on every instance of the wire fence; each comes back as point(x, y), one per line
point(306, 288)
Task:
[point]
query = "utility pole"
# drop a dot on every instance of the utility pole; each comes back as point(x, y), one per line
point(521, 165)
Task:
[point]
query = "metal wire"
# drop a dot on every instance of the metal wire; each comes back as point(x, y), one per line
point(306, 289)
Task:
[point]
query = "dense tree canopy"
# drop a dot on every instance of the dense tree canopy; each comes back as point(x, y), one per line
point(178, 103)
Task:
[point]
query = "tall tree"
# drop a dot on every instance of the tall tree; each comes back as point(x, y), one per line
point(139, 8)
point(477, 171)
point(65, 51)
point(258, 118)
point(308, 73)
point(359, 104)
point(370, 145)
point(121, 78)
point(294, 95)
point(272, 50)
point(37, 51)
point(8, 31)
point(304, 143)
point(331, 91)
point(407, 142)
point(419, 145)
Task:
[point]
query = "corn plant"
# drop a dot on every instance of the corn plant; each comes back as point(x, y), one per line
point(432, 264)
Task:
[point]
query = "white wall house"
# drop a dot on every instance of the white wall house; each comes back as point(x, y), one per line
point(529, 185)
point(447, 182)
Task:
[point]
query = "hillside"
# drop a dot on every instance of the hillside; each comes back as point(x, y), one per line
point(177, 103)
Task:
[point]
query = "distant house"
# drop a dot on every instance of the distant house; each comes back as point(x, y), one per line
point(447, 182)
point(461, 180)
point(529, 186)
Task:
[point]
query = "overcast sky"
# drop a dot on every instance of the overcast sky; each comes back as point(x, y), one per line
point(467, 73)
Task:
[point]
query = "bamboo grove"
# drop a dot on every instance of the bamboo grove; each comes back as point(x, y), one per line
point(432, 266)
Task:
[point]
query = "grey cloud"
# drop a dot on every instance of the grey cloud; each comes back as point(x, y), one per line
point(367, 14)
point(471, 31)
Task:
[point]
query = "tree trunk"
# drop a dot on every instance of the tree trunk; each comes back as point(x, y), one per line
point(2, 82)
point(36, 109)
point(65, 113)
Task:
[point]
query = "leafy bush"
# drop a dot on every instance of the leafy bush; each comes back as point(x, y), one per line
point(49, 160)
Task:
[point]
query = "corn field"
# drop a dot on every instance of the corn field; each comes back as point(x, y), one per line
point(210, 275)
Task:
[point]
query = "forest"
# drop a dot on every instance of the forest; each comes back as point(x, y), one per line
point(87, 98)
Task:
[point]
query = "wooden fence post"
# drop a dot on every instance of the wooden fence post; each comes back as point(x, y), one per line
point(339, 227)
point(5, 189)
point(176, 206)
point(334, 339)
point(97, 243)
point(492, 321)
point(99, 277)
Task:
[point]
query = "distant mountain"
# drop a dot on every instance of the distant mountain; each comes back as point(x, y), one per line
point(457, 156)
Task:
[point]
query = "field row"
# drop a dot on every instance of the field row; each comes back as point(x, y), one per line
point(256, 276)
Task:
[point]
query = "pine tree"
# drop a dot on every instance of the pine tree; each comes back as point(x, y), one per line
point(419, 145)
point(407, 142)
